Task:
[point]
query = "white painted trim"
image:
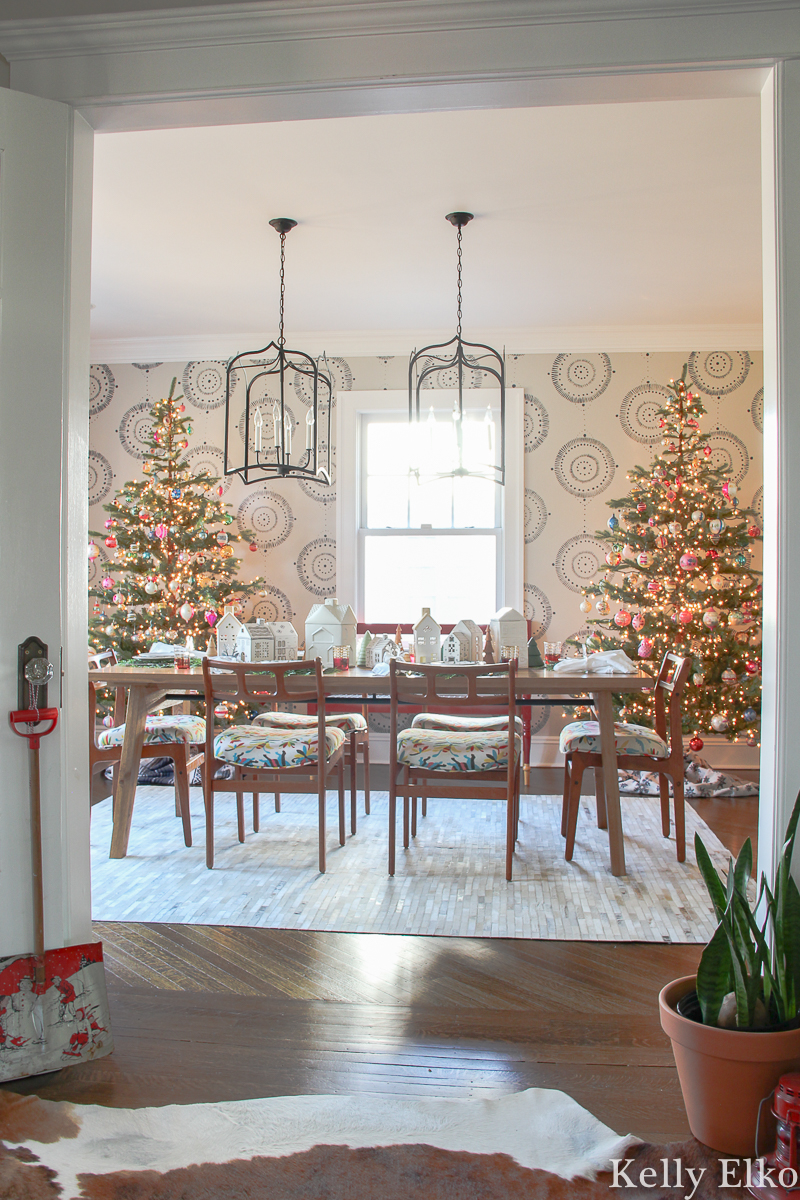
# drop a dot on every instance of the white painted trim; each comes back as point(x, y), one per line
point(231, 24)
point(718, 752)
point(370, 343)
point(349, 407)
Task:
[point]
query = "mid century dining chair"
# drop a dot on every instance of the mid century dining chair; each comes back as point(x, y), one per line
point(639, 748)
point(179, 736)
point(269, 759)
point(460, 765)
point(353, 724)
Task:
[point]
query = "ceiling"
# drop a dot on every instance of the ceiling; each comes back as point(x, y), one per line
point(632, 215)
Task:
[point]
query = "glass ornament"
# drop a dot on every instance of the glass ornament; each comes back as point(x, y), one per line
point(729, 676)
point(612, 558)
point(685, 616)
point(211, 617)
point(654, 587)
point(696, 744)
point(718, 583)
point(752, 667)
point(688, 561)
point(111, 542)
point(110, 630)
point(698, 679)
point(161, 530)
point(176, 493)
point(643, 559)
point(151, 587)
point(622, 619)
point(174, 585)
point(603, 606)
point(754, 531)
point(719, 723)
point(675, 528)
point(107, 582)
point(628, 553)
point(638, 622)
point(697, 516)
point(222, 537)
point(645, 648)
point(186, 612)
point(710, 618)
point(750, 715)
point(586, 605)
point(641, 507)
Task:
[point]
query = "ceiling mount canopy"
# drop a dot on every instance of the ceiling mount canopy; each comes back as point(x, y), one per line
point(264, 388)
point(458, 369)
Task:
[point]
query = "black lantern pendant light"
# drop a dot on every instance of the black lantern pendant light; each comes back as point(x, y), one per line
point(461, 366)
point(259, 386)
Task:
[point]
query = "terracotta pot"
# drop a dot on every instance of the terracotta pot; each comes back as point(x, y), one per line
point(724, 1075)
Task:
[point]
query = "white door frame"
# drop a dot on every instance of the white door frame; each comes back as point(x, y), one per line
point(296, 61)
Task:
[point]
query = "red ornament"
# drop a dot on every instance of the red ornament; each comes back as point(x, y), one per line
point(180, 408)
point(144, 516)
point(111, 542)
point(253, 546)
point(713, 554)
point(641, 508)
point(685, 616)
point(672, 495)
point(752, 667)
point(707, 451)
point(754, 531)
point(696, 744)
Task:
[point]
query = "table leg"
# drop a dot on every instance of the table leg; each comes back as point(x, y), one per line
point(140, 701)
point(605, 715)
point(525, 713)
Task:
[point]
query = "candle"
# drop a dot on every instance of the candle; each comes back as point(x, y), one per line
point(310, 429)
point(287, 427)
point(276, 422)
point(258, 422)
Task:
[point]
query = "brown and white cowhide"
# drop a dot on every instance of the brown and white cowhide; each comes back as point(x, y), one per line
point(533, 1145)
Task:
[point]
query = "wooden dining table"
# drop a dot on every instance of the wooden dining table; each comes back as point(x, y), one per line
point(148, 687)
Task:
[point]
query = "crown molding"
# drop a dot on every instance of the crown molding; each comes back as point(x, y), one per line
point(372, 343)
point(297, 20)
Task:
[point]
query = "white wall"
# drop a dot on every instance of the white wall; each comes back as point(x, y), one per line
point(45, 174)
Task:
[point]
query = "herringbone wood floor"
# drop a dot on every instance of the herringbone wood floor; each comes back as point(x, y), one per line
point(203, 1013)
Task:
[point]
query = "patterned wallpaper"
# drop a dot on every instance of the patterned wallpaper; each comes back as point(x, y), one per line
point(588, 419)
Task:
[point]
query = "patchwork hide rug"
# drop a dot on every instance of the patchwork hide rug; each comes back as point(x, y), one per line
point(537, 1144)
point(450, 881)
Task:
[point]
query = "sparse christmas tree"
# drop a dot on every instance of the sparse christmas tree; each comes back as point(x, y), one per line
point(679, 577)
point(174, 564)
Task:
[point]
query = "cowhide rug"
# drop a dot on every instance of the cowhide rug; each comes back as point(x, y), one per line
point(533, 1145)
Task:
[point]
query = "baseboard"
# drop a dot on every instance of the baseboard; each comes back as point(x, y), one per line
point(717, 751)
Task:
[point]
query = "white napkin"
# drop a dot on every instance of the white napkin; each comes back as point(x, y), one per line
point(380, 669)
point(604, 662)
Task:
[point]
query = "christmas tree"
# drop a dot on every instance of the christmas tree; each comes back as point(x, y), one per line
point(679, 577)
point(174, 565)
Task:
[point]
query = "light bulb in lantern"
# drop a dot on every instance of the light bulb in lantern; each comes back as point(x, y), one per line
point(258, 426)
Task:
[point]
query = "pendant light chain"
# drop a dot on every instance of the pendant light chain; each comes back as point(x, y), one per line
point(281, 338)
point(458, 309)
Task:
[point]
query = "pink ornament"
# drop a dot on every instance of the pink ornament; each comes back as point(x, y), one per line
point(186, 612)
point(161, 530)
point(622, 618)
point(645, 648)
point(638, 622)
point(110, 523)
point(108, 582)
point(654, 586)
point(688, 561)
point(685, 616)
point(672, 495)
point(211, 617)
point(753, 667)
point(710, 618)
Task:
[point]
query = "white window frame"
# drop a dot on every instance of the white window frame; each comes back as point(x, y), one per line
point(350, 407)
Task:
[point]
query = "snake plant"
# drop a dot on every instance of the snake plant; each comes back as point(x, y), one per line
point(755, 950)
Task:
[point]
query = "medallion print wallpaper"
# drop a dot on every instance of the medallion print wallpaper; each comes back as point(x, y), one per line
point(589, 417)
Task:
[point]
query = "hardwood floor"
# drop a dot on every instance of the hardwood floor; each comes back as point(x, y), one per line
point(208, 1013)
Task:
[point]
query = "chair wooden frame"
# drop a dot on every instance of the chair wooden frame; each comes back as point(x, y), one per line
point(185, 757)
point(668, 723)
point(264, 685)
point(452, 687)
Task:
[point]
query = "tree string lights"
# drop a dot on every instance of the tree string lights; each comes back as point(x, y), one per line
point(174, 565)
point(679, 577)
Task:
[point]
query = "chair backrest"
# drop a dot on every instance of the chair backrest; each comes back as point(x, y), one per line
point(449, 686)
point(672, 677)
point(263, 683)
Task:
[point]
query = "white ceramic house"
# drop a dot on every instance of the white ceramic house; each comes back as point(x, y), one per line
point(285, 638)
point(427, 638)
point(381, 649)
point(255, 642)
point(509, 628)
point(474, 633)
point(456, 648)
point(328, 625)
point(227, 631)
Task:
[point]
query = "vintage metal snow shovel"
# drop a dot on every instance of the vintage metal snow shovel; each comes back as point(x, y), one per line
point(53, 1004)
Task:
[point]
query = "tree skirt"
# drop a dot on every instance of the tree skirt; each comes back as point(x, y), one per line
point(526, 1144)
point(451, 880)
point(700, 779)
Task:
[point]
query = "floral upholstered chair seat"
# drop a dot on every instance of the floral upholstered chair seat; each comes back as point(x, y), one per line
point(584, 737)
point(175, 727)
point(440, 750)
point(454, 724)
point(258, 747)
point(347, 722)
